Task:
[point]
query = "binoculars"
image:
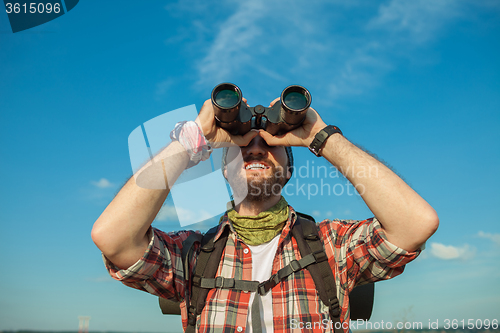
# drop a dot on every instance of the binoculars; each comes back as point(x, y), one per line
point(238, 118)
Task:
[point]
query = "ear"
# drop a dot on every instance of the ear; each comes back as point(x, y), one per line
point(288, 173)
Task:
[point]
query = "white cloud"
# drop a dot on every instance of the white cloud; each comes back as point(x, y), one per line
point(495, 238)
point(449, 252)
point(232, 44)
point(362, 70)
point(169, 213)
point(166, 213)
point(305, 40)
point(102, 183)
point(316, 213)
point(190, 216)
point(420, 18)
point(339, 48)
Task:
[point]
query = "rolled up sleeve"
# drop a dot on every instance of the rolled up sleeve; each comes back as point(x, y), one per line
point(363, 253)
point(159, 271)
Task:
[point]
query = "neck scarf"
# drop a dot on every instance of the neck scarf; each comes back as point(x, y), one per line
point(256, 230)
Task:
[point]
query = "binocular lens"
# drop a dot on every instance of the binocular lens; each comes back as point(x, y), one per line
point(295, 100)
point(227, 98)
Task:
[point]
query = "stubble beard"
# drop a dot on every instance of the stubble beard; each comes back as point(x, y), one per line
point(258, 188)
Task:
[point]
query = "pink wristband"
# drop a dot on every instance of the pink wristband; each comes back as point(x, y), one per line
point(190, 136)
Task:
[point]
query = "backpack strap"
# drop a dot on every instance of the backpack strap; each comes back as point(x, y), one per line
point(187, 251)
point(306, 234)
point(206, 267)
point(169, 306)
point(314, 258)
point(255, 286)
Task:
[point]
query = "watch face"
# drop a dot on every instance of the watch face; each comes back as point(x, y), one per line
point(313, 150)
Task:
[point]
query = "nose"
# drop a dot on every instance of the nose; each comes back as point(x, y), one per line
point(256, 147)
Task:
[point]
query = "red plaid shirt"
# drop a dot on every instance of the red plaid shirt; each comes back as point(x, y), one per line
point(358, 252)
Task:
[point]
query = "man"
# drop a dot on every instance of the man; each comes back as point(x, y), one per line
point(259, 242)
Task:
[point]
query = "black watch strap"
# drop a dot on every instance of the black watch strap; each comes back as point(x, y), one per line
point(320, 138)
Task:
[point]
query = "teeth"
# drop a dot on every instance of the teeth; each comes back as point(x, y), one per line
point(255, 166)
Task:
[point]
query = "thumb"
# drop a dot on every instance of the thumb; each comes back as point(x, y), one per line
point(279, 140)
point(244, 140)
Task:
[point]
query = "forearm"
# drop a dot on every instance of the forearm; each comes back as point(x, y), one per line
point(406, 217)
point(120, 231)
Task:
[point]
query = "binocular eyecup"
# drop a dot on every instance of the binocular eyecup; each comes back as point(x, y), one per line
point(238, 118)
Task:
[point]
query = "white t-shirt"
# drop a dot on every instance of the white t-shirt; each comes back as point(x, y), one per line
point(262, 265)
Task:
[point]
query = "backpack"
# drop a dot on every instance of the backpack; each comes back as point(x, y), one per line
point(314, 259)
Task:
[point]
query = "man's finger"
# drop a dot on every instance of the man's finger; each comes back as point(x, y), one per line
point(245, 101)
point(274, 101)
point(244, 140)
point(273, 140)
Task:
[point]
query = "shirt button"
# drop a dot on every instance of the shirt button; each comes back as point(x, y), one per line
point(239, 329)
point(245, 251)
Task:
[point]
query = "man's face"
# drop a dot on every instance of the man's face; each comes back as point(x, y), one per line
point(263, 173)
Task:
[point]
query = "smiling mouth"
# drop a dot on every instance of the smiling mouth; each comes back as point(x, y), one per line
point(256, 166)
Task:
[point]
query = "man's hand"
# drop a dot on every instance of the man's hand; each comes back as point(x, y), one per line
point(301, 136)
point(408, 220)
point(218, 136)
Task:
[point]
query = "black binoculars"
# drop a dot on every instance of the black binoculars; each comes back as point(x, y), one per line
point(238, 118)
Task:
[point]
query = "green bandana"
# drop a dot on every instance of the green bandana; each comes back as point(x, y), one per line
point(256, 230)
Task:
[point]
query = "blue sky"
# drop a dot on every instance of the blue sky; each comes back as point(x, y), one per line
point(415, 82)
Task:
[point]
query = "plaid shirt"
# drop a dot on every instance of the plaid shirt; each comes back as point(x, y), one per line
point(358, 253)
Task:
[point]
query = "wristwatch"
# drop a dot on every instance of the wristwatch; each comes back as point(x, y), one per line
point(320, 138)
